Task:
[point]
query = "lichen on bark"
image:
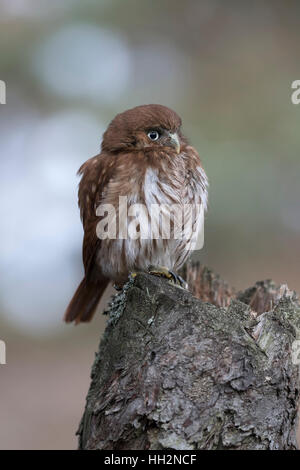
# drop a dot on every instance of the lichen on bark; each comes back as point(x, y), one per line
point(175, 372)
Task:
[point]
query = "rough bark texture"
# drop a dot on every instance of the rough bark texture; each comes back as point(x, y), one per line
point(177, 372)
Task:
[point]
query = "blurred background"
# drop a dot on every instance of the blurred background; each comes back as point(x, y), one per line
point(69, 67)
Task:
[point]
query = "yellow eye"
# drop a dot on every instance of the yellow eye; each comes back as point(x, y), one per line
point(153, 135)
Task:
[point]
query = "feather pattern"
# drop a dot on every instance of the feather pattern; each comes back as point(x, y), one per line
point(149, 175)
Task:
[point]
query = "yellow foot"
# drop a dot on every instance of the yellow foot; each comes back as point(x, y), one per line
point(172, 277)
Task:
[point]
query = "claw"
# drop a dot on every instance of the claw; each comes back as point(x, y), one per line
point(117, 287)
point(172, 277)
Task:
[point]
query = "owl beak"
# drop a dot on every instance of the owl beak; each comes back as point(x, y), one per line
point(174, 141)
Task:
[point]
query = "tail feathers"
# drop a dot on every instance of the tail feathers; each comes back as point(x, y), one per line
point(85, 300)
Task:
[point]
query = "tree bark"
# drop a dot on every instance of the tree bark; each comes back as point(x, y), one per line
point(206, 369)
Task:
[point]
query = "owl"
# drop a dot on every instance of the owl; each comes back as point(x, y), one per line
point(141, 203)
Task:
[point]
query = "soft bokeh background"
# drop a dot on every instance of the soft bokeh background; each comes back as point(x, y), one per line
point(69, 67)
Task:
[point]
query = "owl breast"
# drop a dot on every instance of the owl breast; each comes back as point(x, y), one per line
point(163, 220)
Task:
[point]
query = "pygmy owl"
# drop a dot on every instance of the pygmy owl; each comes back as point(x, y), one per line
point(145, 163)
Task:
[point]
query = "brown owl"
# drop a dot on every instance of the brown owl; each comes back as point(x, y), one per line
point(130, 196)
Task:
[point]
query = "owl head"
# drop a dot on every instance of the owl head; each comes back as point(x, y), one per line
point(144, 127)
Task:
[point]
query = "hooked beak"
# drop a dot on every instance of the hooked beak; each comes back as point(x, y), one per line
point(174, 141)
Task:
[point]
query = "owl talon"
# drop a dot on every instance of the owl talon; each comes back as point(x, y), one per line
point(180, 281)
point(117, 287)
point(172, 277)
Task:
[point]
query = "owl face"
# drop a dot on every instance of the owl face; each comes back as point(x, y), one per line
point(157, 137)
point(148, 126)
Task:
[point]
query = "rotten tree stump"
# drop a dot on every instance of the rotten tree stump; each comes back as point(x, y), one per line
point(213, 370)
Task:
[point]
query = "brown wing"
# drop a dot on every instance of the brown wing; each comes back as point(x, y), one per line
point(95, 175)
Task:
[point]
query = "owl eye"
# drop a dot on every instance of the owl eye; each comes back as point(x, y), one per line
point(153, 135)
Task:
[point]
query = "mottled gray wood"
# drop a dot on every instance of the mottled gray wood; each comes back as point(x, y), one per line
point(174, 372)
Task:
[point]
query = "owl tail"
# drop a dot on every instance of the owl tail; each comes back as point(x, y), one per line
point(85, 300)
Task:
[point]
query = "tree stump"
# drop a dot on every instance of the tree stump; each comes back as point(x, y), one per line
point(206, 369)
